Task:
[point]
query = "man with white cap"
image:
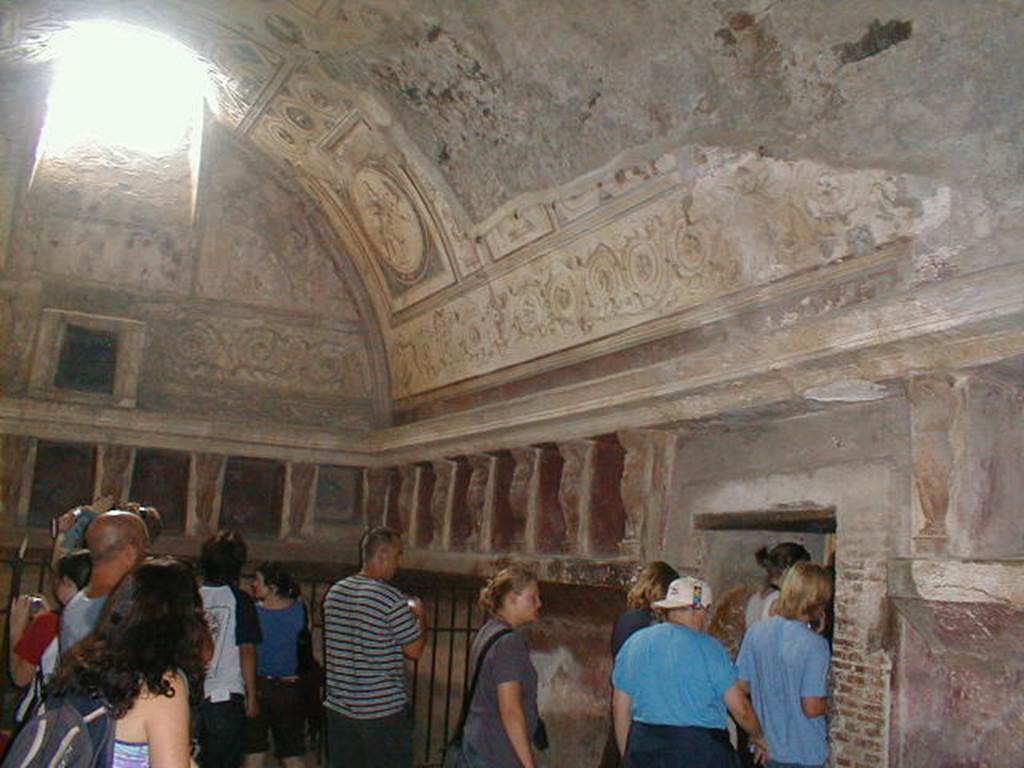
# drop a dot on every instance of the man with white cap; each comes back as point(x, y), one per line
point(673, 684)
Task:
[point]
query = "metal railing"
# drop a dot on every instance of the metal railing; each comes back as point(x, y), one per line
point(437, 680)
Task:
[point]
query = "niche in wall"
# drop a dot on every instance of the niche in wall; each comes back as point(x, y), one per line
point(253, 496)
point(87, 358)
point(160, 479)
point(63, 478)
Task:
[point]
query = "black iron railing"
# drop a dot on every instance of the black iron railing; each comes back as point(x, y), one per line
point(437, 680)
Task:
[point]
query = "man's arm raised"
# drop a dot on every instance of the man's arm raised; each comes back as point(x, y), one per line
point(415, 649)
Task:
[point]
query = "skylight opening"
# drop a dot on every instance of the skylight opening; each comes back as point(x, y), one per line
point(122, 87)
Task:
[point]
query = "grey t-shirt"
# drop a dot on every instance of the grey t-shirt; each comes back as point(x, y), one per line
point(508, 660)
point(79, 618)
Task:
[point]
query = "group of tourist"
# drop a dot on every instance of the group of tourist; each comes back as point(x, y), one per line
point(184, 665)
point(182, 661)
point(674, 685)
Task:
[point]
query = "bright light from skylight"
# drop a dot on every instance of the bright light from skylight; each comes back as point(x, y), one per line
point(122, 86)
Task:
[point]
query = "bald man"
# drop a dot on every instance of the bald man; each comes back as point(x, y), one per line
point(117, 543)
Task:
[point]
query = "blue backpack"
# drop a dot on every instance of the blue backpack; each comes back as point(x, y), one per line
point(68, 732)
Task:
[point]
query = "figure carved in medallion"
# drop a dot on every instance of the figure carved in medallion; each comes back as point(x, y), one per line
point(392, 223)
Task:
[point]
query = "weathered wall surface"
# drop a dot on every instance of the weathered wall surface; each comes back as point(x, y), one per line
point(987, 518)
point(571, 650)
point(959, 663)
point(866, 84)
point(516, 188)
point(248, 314)
point(855, 459)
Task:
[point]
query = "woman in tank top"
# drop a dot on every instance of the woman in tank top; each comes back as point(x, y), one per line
point(143, 659)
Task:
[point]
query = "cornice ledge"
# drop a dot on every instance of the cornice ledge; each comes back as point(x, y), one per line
point(966, 321)
point(78, 423)
point(958, 581)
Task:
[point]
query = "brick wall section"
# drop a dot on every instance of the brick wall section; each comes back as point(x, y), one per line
point(861, 669)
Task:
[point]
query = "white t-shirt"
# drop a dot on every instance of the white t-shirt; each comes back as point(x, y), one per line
point(233, 621)
point(759, 606)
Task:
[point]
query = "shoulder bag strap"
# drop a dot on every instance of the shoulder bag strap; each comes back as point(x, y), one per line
point(466, 702)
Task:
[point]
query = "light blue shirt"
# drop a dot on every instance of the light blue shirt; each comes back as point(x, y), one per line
point(675, 676)
point(79, 618)
point(783, 660)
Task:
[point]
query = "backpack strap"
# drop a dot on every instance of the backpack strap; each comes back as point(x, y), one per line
point(99, 726)
point(467, 702)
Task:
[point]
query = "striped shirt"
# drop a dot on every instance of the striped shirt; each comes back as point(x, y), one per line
point(366, 624)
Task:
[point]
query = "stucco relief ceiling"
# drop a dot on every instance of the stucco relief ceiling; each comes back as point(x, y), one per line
point(515, 179)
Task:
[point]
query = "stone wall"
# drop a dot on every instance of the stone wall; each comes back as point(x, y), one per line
point(854, 459)
point(589, 511)
point(246, 307)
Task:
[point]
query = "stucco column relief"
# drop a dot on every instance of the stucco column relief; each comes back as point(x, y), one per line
point(375, 493)
point(114, 464)
point(480, 501)
point(205, 488)
point(524, 496)
point(574, 494)
point(441, 504)
point(407, 498)
point(645, 487)
point(299, 501)
point(935, 408)
point(17, 459)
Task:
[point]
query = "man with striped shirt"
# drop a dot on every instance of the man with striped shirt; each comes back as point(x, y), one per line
point(370, 628)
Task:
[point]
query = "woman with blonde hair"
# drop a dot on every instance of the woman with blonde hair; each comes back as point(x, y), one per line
point(501, 726)
point(650, 587)
point(783, 665)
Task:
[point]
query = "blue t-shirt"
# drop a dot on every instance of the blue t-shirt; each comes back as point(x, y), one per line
point(675, 676)
point(783, 660)
point(279, 655)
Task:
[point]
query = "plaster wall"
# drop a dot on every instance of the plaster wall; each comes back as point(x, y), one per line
point(854, 458)
point(986, 521)
point(248, 315)
point(959, 663)
point(833, 458)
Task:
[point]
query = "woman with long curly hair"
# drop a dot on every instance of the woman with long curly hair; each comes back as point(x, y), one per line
point(142, 661)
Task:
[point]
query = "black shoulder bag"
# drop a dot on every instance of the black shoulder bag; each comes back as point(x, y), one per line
point(304, 646)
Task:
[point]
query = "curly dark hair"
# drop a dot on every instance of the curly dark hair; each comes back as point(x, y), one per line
point(153, 624)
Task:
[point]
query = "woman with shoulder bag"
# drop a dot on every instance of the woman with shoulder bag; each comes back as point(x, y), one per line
point(502, 726)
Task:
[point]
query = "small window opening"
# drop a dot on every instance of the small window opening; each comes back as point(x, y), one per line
point(88, 360)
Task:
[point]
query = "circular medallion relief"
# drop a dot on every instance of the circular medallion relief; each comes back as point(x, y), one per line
point(390, 219)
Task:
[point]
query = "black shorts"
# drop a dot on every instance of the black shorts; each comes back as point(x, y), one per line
point(282, 713)
point(672, 746)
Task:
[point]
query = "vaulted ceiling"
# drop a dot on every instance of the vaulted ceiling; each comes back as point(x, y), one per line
point(524, 185)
